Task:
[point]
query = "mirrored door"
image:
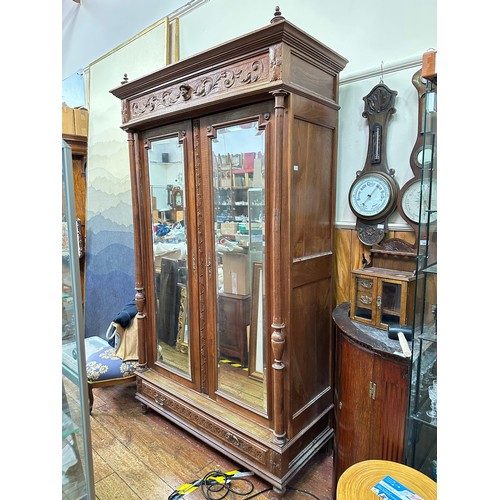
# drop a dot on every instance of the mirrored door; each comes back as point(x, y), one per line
point(238, 154)
point(170, 248)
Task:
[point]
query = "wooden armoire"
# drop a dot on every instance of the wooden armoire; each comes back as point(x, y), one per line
point(233, 169)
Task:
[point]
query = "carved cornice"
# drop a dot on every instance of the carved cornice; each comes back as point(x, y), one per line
point(257, 42)
point(227, 79)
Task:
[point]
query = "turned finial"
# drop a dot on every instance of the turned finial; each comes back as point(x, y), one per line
point(277, 15)
point(125, 78)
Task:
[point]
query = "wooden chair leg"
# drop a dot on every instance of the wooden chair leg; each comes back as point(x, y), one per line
point(91, 398)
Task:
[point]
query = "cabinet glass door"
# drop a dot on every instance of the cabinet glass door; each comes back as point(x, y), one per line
point(77, 465)
point(423, 410)
point(170, 252)
point(390, 302)
point(238, 166)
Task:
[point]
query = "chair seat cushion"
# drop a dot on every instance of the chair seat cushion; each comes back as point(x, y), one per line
point(104, 364)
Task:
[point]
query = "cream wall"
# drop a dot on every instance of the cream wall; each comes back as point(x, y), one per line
point(369, 36)
point(363, 31)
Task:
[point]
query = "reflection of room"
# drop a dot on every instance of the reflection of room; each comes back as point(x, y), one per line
point(238, 156)
point(166, 174)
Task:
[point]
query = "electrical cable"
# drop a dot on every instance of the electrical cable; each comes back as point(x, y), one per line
point(216, 485)
point(215, 482)
point(303, 491)
point(212, 484)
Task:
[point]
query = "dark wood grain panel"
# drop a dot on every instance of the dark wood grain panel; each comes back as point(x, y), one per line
point(388, 424)
point(310, 270)
point(312, 77)
point(353, 431)
point(309, 354)
point(312, 189)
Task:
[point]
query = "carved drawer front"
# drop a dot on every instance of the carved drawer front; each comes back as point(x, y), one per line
point(365, 285)
point(365, 292)
point(228, 436)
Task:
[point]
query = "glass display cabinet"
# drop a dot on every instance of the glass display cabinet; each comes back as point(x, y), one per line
point(234, 279)
point(422, 426)
point(77, 468)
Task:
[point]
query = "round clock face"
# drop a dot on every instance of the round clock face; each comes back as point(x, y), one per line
point(410, 200)
point(371, 196)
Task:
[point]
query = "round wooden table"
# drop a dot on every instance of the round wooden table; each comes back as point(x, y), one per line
point(357, 481)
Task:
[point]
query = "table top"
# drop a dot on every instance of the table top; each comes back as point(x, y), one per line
point(374, 339)
point(358, 480)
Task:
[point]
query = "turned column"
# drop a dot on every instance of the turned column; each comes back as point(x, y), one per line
point(278, 326)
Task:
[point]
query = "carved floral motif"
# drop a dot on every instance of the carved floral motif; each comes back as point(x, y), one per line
point(275, 62)
point(380, 99)
point(245, 74)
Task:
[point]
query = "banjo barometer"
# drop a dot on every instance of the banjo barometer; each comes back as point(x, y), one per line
point(374, 193)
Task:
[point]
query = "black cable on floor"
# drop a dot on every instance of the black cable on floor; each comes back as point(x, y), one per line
point(303, 491)
point(288, 488)
point(216, 489)
point(209, 486)
point(259, 493)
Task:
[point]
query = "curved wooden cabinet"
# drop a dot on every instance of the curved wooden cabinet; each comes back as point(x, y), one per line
point(247, 132)
point(371, 394)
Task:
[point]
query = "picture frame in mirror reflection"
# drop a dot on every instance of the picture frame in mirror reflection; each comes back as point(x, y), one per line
point(256, 350)
point(182, 343)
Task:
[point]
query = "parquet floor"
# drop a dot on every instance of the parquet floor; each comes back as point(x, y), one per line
point(145, 457)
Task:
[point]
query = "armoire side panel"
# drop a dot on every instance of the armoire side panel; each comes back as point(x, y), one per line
point(310, 354)
point(312, 196)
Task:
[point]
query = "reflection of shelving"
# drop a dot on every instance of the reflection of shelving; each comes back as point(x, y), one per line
point(68, 426)
point(431, 269)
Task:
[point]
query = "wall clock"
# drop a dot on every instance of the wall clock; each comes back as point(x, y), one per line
point(374, 193)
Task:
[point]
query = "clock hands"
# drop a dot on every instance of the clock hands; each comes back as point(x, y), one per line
point(368, 197)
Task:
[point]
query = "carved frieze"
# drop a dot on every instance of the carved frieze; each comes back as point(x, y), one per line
point(246, 73)
point(275, 53)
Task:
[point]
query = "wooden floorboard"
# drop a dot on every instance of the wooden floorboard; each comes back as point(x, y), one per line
point(146, 457)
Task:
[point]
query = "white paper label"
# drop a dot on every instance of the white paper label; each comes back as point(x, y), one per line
point(234, 282)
